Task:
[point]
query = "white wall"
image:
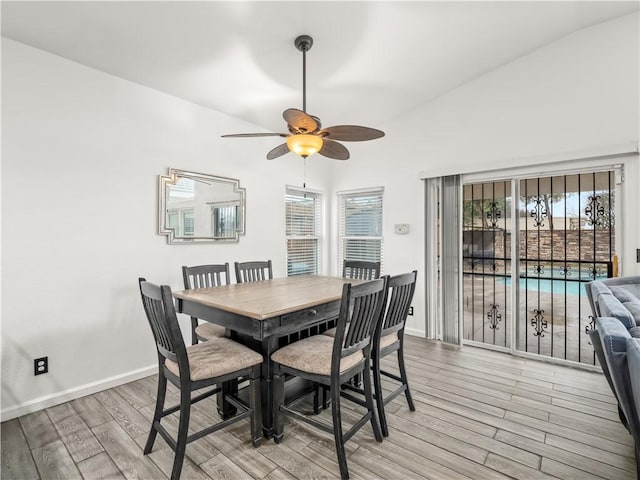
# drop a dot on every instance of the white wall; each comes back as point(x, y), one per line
point(81, 154)
point(579, 93)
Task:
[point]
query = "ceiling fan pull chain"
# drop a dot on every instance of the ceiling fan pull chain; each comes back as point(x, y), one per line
point(304, 175)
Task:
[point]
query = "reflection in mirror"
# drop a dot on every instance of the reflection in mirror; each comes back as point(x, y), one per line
point(199, 208)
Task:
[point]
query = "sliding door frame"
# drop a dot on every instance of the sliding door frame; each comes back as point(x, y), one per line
point(618, 162)
point(515, 176)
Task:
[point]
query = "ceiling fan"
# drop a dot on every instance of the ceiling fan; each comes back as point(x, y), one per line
point(306, 135)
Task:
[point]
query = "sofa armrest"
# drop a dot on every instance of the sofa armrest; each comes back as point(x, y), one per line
point(633, 358)
point(613, 337)
point(613, 334)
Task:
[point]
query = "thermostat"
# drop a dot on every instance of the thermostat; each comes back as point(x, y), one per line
point(401, 228)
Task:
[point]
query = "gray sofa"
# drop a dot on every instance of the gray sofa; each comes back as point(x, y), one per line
point(616, 340)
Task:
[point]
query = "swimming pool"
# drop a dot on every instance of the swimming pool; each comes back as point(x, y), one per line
point(559, 286)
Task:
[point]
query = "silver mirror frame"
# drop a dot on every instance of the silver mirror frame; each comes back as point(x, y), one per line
point(173, 176)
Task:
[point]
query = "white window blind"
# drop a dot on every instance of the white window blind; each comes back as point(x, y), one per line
point(224, 219)
point(188, 222)
point(303, 227)
point(360, 229)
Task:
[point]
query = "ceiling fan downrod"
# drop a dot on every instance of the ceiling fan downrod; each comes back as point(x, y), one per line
point(304, 44)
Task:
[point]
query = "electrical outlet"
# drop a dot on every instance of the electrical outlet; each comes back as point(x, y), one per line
point(410, 310)
point(40, 365)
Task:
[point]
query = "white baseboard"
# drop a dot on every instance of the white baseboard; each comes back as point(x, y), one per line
point(90, 388)
point(414, 332)
point(76, 392)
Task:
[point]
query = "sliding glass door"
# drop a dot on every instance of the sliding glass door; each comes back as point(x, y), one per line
point(563, 227)
point(486, 260)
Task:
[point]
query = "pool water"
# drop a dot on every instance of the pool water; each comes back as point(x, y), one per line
point(561, 287)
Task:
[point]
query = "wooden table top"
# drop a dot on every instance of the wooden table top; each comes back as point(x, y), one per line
point(270, 298)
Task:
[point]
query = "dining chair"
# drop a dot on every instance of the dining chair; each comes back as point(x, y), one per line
point(205, 276)
point(360, 270)
point(192, 368)
point(388, 338)
point(332, 362)
point(357, 270)
point(253, 271)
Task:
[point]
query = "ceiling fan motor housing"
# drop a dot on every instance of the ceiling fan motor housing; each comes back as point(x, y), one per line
point(304, 43)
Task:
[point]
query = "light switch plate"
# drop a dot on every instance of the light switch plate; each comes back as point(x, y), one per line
point(401, 228)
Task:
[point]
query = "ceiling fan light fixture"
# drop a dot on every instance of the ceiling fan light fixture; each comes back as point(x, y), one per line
point(304, 145)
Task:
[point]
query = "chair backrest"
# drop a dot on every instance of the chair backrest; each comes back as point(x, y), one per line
point(205, 276)
point(400, 290)
point(161, 314)
point(360, 270)
point(253, 271)
point(361, 307)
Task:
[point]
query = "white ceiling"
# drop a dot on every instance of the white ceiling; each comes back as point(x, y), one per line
point(370, 63)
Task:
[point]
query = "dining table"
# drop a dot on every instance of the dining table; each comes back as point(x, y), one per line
point(265, 316)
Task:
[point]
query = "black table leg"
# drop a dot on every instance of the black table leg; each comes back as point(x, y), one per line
point(269, 345)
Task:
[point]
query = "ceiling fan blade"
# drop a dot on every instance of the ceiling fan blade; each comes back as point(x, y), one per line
point(299, 121)
point(333, 149)
point(278, 151)
point(351, 133)
point(244, 135)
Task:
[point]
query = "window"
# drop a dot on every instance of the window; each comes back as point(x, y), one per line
point(224, 219)
point(360, 229)
point(303, 227)
point(182, 221)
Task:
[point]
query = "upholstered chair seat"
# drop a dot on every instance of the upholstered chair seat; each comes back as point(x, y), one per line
point(388, 340)
point(384, 341)
point(207, 331)
point(216, 358)
point(313, 355)
point(332, 331)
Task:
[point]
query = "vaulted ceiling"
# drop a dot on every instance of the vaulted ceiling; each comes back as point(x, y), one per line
point(370, 62)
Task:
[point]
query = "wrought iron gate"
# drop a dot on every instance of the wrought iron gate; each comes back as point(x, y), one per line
point(566, 237)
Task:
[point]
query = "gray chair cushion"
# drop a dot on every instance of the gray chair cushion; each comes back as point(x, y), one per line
point(332, 331)
point(388, 340)
point(384, 341)
point(313, 355)
point(209, 330)
point(215, 358)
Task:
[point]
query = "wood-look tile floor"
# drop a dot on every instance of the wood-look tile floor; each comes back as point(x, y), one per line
point(479, 415)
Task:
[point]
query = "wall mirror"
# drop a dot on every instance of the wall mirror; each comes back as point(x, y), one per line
point(199, 208)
